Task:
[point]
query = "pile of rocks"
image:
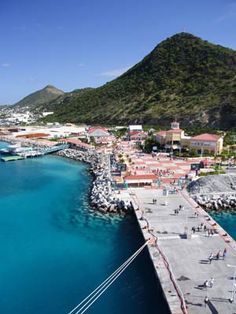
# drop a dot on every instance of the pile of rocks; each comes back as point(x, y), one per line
point(217, 203)
point(102, 194)
point(215, 192)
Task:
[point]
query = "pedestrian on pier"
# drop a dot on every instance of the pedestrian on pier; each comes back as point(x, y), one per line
point(224, 253)
point(210, 257)
point(206, 284)
point(211, 282)
point(218, 255)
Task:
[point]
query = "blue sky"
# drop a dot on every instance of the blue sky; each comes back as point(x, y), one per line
point(78, 43)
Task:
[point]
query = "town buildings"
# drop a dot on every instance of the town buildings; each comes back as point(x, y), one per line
point(175, 139)
point(207, 144)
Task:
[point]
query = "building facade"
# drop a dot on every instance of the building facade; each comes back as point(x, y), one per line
point(207, 144)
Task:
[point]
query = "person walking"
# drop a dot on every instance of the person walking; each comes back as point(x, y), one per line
point(211, 282)
point(206, 284)
point(218, 255)
point(224, 253)
point(210, 257)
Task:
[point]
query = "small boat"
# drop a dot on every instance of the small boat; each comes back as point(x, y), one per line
point(4, 151)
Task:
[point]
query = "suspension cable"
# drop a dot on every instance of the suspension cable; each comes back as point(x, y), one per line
point(95, 294)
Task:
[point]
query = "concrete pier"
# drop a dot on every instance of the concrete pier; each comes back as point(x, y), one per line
point(180, 256)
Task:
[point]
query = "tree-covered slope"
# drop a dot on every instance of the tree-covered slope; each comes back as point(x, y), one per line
point(184, 77)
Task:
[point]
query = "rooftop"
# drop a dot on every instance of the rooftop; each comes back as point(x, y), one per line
point(142, 177)
point(206, 137)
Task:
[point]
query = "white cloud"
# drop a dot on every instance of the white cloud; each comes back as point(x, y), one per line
point(115, 72)
point(5, 65)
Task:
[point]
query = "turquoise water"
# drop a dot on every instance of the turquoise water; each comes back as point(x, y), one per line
point(227, 221)
point(55, 249)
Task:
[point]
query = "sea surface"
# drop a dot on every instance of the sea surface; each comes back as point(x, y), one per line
point(227, 221)
point(54, 249)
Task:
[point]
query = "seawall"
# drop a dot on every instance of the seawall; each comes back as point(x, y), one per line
point(101, 196)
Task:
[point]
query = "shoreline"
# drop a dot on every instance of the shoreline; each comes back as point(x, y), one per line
point(101, 196)
point(101, 193)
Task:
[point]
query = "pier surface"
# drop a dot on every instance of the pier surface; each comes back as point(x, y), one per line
point(181, 262)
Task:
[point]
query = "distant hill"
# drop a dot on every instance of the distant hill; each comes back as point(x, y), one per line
point(39, 98)
point(184, 77)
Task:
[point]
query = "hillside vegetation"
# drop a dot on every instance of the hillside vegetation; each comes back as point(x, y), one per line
point(184, 77)
point(39, 98)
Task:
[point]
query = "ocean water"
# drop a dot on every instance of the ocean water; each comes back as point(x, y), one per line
point(227, 221)
point(54, 250)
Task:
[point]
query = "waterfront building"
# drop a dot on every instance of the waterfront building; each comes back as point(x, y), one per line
point(137, 136)
point(172, 137)
point(98, 133)
point(175, 138)
point(207, 143)
point(77, 144)
point(140, 180)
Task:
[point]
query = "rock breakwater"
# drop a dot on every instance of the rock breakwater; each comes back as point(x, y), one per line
point(215, 192)
point(102, 194)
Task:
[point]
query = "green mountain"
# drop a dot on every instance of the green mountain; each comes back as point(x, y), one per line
point(184, 77)
point(39, 98)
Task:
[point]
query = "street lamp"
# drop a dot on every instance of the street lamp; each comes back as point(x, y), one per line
point(234, 282)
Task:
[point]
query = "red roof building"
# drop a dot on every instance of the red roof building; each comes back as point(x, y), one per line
point(206, 137)
point(77, 144)
point(140, 180)
point(207, 143)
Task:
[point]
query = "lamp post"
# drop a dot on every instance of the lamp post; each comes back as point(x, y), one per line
point(234, 282)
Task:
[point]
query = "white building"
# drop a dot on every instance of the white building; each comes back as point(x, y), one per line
point(137, 127)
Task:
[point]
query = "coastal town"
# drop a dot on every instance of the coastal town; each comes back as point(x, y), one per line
point(161, 187)
point(118, 157)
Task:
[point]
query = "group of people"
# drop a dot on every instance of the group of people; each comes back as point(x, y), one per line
point(218, 255)
point(176, 211)
point(209, 283)
point(163, 173)
point(203, 227)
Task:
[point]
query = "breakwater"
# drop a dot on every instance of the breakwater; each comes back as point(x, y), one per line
point(101, 196)
point(215, 192)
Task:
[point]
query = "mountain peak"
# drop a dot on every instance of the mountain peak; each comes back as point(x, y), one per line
point(40, 97)
point(52, 88)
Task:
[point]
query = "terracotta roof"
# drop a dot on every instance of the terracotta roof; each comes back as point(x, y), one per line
point(161, 133)
point(33, 135)
point(142, 177)
point(91, 130)
point(77, 142)
point(206, 137)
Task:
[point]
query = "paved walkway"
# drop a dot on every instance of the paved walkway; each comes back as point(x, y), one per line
point(188, 257)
